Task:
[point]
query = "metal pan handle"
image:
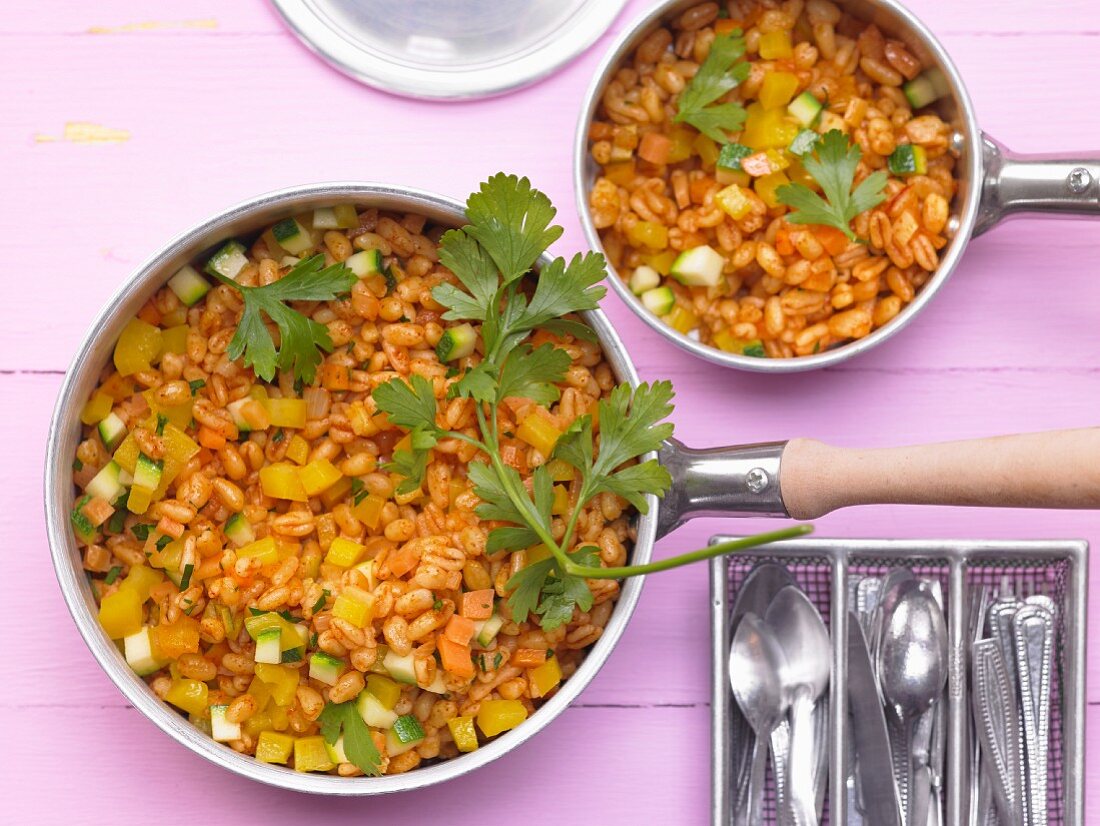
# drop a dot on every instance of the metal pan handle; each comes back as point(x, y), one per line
point(1036, 184)
point(806, 479)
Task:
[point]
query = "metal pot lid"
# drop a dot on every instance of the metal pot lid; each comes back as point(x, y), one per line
point(448, 49)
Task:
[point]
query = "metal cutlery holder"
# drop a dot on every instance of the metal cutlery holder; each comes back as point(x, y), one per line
point(822, 568)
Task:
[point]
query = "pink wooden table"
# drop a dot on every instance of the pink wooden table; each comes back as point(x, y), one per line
point(201, 103)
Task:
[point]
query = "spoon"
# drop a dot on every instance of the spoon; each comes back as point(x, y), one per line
point(755, 662)
point(912, 667)
point(807, 657)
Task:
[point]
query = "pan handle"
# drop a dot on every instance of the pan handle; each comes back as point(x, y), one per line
point(1052, 184)
point(806, 479)
point(1058, 469)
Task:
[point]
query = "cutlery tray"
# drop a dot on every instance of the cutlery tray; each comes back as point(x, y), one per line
point(822, 568)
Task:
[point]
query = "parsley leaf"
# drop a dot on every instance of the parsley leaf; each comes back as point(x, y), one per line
point(300, 338)
point(412, 464)
point(528, 585)
point(196, 385)
point(112, 575)
point(510, 220)
point(561, 594)
point(337, 718)
point(531, 374)
point(722, 71)
point(833, 165)
point(407, 405)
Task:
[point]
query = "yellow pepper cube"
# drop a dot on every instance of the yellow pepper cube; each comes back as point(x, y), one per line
point(286, 412)
point(767, 128)
point(620, 173)
point(273, 747)
point(369, 510)
point(139, 499)
point(97, 408)
point(344, 552)
point(732, 176)
point(281, 679)
point(681, 137)
point(662, 261)
point(766, 188)
point(648, 234)
point(385, 690)
point(334, 494)
point(682, 319)
point(174, 340)
point(297, 450)
point(537, 553)
point(190, 695)
point(706, 149)
point(545, 677)
point(355, 606)
point(137, 347)
point(560, 470)
point(141, 580)
point(463, 733)
point(496, 716)
point(266, 550)
point(776, 45)
point(777, 160)
point(310, 755)
point(778, 89)
point(561, 501)
point(280, 481)
point(258, 723)
point(261, 693)
point(539, 432)
point(734, 201)
point(120, 613)
point(318, 475)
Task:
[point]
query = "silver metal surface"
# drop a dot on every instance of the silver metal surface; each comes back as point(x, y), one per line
point(993, 183)
point(962, 560)
point(448, 49)
point(997, 718)
point(245, 220)
point(1034, 635)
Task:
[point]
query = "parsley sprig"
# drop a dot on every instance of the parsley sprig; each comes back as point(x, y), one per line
point(833, 163)
point(722, 71)
point(509, 227)
point(301, 339)
point(358, 745)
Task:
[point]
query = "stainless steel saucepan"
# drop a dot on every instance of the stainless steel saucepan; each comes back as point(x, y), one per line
point(994, 183)
point(799, 478)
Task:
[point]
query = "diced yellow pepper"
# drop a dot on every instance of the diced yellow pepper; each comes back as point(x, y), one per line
point(178, 450)
point(648, 234)
point(726, 340)
point(318, 475)
point(706, 149)
point(537, 553)
point(539, 432)
point(620, 173)
point(179, 415)
point(778, 89)
point(777, 160)
point(732, 176)
point(455, 488)
point(273, 747)
point(496, 716)
point(561, 501)
point(297, 450)
point(463, 733)
point(682, 138)
point(97, 408)
point(766, 128)
point(190, 695)
point(798, 174)
point(280, 480)
point(354, 605)
point(168, 557)
point(385, 690)
point(286, 412)
point(661, 261)
point(776, 45)
point(766, 187)
point(261, 693)
point(545, 677)
point(126, 453)
point(334, 494)
point(141, 580)
point(734, 201)
point(279, 719)
point(560, 470)
point(344, 552)
point(310, 755)
point(139, 499)
point(120, 613)
point(282, 680)
point(263, 549)
point(137, 348)
point(258, 723)
point(259, 393)
point(174, 340)
point(170, 640)
point(682, 319)
point(369, 510)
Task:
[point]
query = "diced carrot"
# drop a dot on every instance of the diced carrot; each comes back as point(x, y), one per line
point(170, 527)
point(515, 456)
point(757, 164)
point(783, 243)
point(478, 604)
point(699, 189)
point(528, 657)
point(150, 314)
point(118, 387)
point(98, 510)
point(834, 241)
point(654, 148)
point(460, 629)
point(455, 658)
point(726, 25)
point(211, 438)
point(403, 560)
point(335, 377)
point(209, 567)
point(204, 456)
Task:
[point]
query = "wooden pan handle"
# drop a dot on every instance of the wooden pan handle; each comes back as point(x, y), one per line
point(1059, 469)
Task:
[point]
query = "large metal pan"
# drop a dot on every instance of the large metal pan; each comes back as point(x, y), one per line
point(799, 478)
point(995, 183)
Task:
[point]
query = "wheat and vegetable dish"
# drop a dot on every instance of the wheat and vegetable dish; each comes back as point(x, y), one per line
point(772, 180)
